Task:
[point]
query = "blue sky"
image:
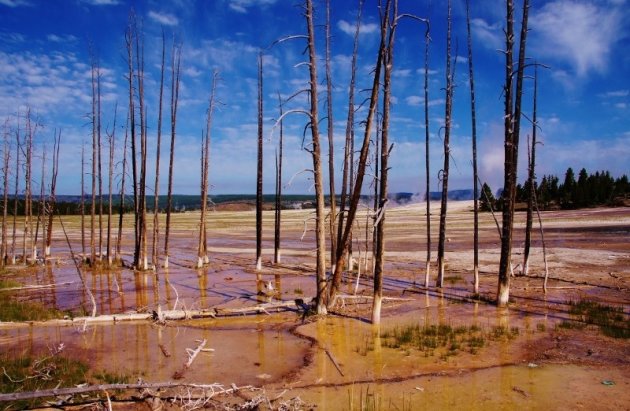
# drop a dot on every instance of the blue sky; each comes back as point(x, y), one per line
point(584, 97)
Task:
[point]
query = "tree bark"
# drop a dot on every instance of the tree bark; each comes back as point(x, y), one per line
point(92, 261)
point(512, 124)
point(358, 184)
point(447, 153)
point(259, 169)
point(331, 147)
point(388, 66)
point(278, 209)
point(156, 191)
point(18, 149)
point(112, 142)
point(5, 194)
point(427, 40)
point(531, 179)
point(474, 156)
point(175, 77)
point(53, 188)
point(317, 165)
point(348, 163)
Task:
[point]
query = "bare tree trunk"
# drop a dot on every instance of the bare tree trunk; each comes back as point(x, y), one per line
point(331, 149)
point(100, 164)
point(447, 152)
point(202, 252)
point(52, 200)
point(5, 194)
point(474, 154)
point(121, 205)
point(176, 54)
point(41, 213)
point(512, 125)
point(82, 204)
point(94, 170)
point(112, 142)
point(142, 262)
point(278, 211)
point(317, 165)
point(156, 191)
point(18, 150)
point(531, 179)
point(259, 172)
point(427, 40)
point(28, 198)
point(356, 192)
point(375, 180)
point(130, 36)
point(388, 66)
point(348, 163)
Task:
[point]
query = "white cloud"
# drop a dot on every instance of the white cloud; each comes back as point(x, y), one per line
point(621, 106)
point(163, 18)
point(577, 33)
point(616, 93)
point(414, 100)
point(350, 28)
point(102, 2)
point(241, 6)
point(489, 35)
point(15, 3)
point(63, 38)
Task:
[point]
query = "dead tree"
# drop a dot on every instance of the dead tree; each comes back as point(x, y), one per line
point(363, 156)
point(121, 203)
point(348, 162)
point(130, 35)
point(259, 169)
point(278, 208)
point(6, 160)
point(100, 164)
point(18, 149)
point(447, 151)
point(92, 261)
point(388, 66)
point(427, 40)
point(331, 150)
point(512, 129)
point(202, 251)
point(52, 199)
point(140, 256)
point(41, 208)
point(176, 54)
point(111, 144)
point(156, 190)
point(531, 181)
point(315, 150)
point(28, 197)
point(474, 156)
point(82, 203)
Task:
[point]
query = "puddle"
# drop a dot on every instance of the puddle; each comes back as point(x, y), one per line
point(254, 350)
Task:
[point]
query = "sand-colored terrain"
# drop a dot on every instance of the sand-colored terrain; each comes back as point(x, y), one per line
point(533, 356)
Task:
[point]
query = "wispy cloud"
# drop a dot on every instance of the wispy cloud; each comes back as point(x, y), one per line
point(615, 93)
point(580, 34)
point(63, 38)
point(350, 28)
point(241, 6)
point(15, 3)
point(102, 2)
point(489, 35)
point(163, 18)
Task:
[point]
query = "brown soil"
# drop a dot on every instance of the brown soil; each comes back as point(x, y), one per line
point(542, 367)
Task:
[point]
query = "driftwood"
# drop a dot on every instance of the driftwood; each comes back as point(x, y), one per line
point(167, 315)
point(36, 287)
point(332, 359)
point(211, 389)
point(192, 354)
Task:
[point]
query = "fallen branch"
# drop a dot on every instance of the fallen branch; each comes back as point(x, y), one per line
point(36, 287)
point(332, 359)
point(167, 315)
point(192, 354)
point(211, 389)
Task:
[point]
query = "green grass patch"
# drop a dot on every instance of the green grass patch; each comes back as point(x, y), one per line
point(15, 310)
point(24, 373)
point(611, 320)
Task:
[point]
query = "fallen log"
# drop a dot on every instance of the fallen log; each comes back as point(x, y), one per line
point(55, 392)
point(36, 287)
point(167, 315)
